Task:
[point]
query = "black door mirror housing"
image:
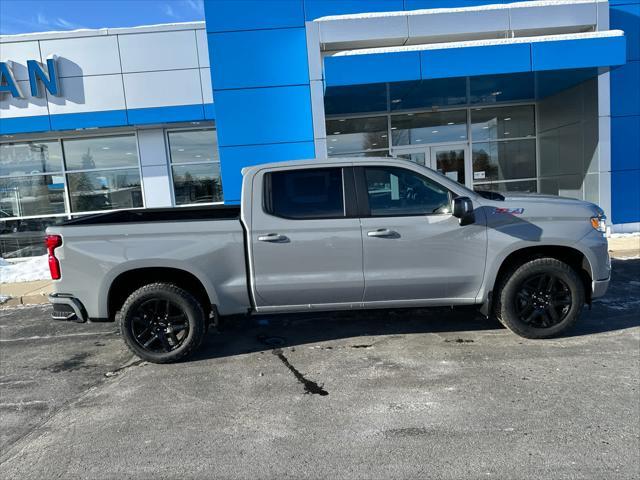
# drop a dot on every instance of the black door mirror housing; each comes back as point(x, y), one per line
point(463, 210)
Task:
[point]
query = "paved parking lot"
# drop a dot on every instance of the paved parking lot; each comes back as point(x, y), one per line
point(401, 394)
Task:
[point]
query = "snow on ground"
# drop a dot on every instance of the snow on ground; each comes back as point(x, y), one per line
point(34, 268)
point(625, 235)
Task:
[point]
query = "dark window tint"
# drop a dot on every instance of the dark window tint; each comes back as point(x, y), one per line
point(396, 191)
point(301, 194)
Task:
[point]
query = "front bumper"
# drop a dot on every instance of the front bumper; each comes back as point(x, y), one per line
point(599, 288)
point(67, 307)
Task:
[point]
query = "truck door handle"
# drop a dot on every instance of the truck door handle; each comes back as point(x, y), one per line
point(272, 237)
point(382, 232)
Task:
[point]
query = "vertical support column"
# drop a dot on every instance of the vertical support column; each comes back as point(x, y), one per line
point(316, 76)
point(261, 85)
point(156, 176)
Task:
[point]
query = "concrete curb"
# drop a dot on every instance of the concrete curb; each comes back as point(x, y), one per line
point(26, 300)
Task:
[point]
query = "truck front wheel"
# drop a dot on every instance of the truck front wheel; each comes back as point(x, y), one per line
point(162, 323)
point(540, 299)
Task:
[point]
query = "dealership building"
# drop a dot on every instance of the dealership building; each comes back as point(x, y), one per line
point(511, 96)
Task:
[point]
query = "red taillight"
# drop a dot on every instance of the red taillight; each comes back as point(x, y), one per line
point(52, 242)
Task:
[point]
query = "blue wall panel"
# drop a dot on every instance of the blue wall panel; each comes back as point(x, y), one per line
point(627, 18)
point(235, 15)
point(71, 121)
point(373, 68)
point(625, 196)
point(485, 60)
point(259, 58)
point(264, 115)
point(625, 143)
point(236, 158)
point(583, 53)
point(625, 91)
point(37, 123)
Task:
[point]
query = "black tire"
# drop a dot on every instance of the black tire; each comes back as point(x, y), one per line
point(540, 298)
point(164, 311)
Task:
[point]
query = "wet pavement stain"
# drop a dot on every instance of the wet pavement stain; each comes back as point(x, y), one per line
point(309, 385)
point(76, 362)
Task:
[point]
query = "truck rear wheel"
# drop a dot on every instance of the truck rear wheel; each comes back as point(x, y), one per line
point(162, 323)
point(540, 299)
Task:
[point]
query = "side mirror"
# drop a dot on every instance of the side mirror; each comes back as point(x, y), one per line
point(463, 210)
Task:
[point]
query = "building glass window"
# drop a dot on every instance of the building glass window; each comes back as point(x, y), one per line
point(502, 123)
point(30, 158)
point(54, 178)
point(104, 190)
point(422, 128)
point(495, 161)
point(31, 195)
point(347, 135)
point(195, 166)
point(100, 152)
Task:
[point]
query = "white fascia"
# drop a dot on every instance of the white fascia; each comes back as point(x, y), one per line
point(481, 43)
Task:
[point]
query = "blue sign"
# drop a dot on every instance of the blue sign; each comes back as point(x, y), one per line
point(37, 79)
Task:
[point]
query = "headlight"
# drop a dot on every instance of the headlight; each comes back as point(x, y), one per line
point(599, 222)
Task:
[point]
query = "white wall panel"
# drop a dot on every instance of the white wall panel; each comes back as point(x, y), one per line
point(19, 53)
point(88, 94)
point(157, 187)
point(552, 16)
point(203, 48)
point(22, 107)
point(152, 147)
point(207, 90)
point(158, 51)
point(364, 32)
point(456, 24)
point(162, 89)
point(84, 56)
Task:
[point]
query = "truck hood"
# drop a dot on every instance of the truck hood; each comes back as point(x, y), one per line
point(549, 206)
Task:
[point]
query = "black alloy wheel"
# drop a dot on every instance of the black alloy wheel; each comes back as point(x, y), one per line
point(159, 325)
point(540, 298)
point(543, 300)
point(162, 323)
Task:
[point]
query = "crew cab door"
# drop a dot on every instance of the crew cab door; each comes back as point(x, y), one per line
point(414, 248)
point(306, 241)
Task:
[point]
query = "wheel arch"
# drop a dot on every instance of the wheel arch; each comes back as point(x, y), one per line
point(125, 283)
point(572, 256)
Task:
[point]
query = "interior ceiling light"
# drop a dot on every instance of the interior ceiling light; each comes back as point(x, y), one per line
point(450, 123)
point(336, 133)
point(496, 93)
point(396, 100)
point(507, 119)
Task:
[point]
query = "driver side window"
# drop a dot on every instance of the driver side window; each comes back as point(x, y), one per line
point(395, 191)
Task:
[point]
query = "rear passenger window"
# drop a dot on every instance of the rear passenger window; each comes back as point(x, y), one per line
point(305, 194)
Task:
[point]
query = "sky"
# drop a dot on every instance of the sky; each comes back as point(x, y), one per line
point(26, 16)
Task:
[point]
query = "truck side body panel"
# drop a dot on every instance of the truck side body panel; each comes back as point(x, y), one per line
point(93, 256)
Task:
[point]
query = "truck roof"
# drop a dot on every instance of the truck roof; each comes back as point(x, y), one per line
point(316, 161)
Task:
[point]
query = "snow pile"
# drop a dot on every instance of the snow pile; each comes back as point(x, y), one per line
point(31, 269)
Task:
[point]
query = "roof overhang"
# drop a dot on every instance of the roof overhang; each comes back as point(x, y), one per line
point(474, 58)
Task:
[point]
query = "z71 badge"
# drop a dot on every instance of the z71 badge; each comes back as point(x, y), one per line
point(511, 211)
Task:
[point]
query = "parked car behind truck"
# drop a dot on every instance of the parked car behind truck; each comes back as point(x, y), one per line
point(334, 234)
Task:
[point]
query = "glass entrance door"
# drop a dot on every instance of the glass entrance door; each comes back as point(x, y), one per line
point(452, 160)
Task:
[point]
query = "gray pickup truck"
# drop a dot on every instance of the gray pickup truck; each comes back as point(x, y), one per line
point(337, 234)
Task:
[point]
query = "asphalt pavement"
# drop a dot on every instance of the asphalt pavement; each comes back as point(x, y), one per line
point(388, 394)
